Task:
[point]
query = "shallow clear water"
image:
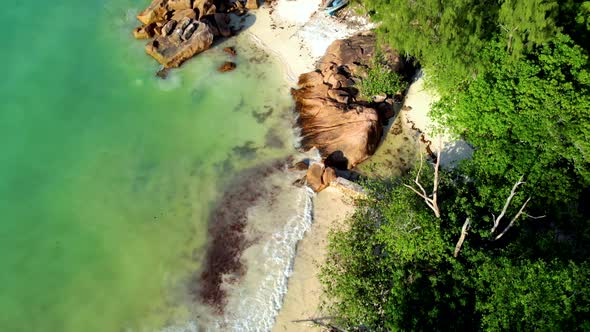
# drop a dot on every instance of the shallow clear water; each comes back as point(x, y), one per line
point(108, 174)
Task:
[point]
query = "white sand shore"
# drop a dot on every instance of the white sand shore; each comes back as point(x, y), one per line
point(298, 32)
point(302, 300)
point(420, 100)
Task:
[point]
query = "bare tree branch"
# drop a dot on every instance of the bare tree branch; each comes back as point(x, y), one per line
point(508, 200)
point(320, 321)
point(462, 238)
point(513, 219)
point(431, 202)
point(533, 217)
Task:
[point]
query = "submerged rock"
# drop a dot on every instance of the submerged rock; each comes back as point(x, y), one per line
point(231, 51)
point(227, 66)
point(162, 73)
point(227, 235)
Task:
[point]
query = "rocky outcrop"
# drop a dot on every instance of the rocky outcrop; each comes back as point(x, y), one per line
point(183, 28)
point(344, 130)
point(319, 177)
point(179, 42)
point(252, 4)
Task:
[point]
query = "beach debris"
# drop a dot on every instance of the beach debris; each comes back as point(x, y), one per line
point(326, 3)
point(227, 66)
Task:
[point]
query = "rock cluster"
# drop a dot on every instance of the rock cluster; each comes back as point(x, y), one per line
point(183, 28)
point(344, 130)
point(319, 177)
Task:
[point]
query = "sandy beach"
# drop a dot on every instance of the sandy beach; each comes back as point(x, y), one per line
point(298, 33)
point(301, 303)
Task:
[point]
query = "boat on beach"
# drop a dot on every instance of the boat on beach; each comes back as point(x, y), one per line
point(335, 6)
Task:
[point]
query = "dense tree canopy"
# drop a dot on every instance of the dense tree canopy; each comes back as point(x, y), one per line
point(393, 269)
point(447, 36)
point(527, 117)
point(514, 76)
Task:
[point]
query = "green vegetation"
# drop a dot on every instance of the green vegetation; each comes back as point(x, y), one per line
point(446, 36)
point(381, 79)
point(514, 77)
point(527, 117)
point(392, 268)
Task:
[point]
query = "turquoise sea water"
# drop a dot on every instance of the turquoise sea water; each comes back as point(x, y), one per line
point(108, 174)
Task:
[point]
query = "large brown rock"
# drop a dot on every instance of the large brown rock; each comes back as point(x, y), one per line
point(328, 176)
point(180, 14)
point(226, 66)
point(319, 177)
point(179, 4)
point(356, 49)
point(155, 12)
point(204, 7)
point(252, 4)
point(182, 28)
point(314, 177)
point(345, 131)
point(222, 21)
point(145, 31)
point(183, 43)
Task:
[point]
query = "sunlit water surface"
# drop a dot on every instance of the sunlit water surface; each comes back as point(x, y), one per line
point(108, 174)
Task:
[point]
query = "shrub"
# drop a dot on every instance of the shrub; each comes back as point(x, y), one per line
point(381, 79)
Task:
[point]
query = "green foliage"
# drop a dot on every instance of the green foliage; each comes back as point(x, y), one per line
point(391, 268)
point(383, 270)
point(524, 24)
point(381, 79)
point(528, 117)
point(583, 16)
point(515, 81)
point(535, 295)
point(446, 36)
